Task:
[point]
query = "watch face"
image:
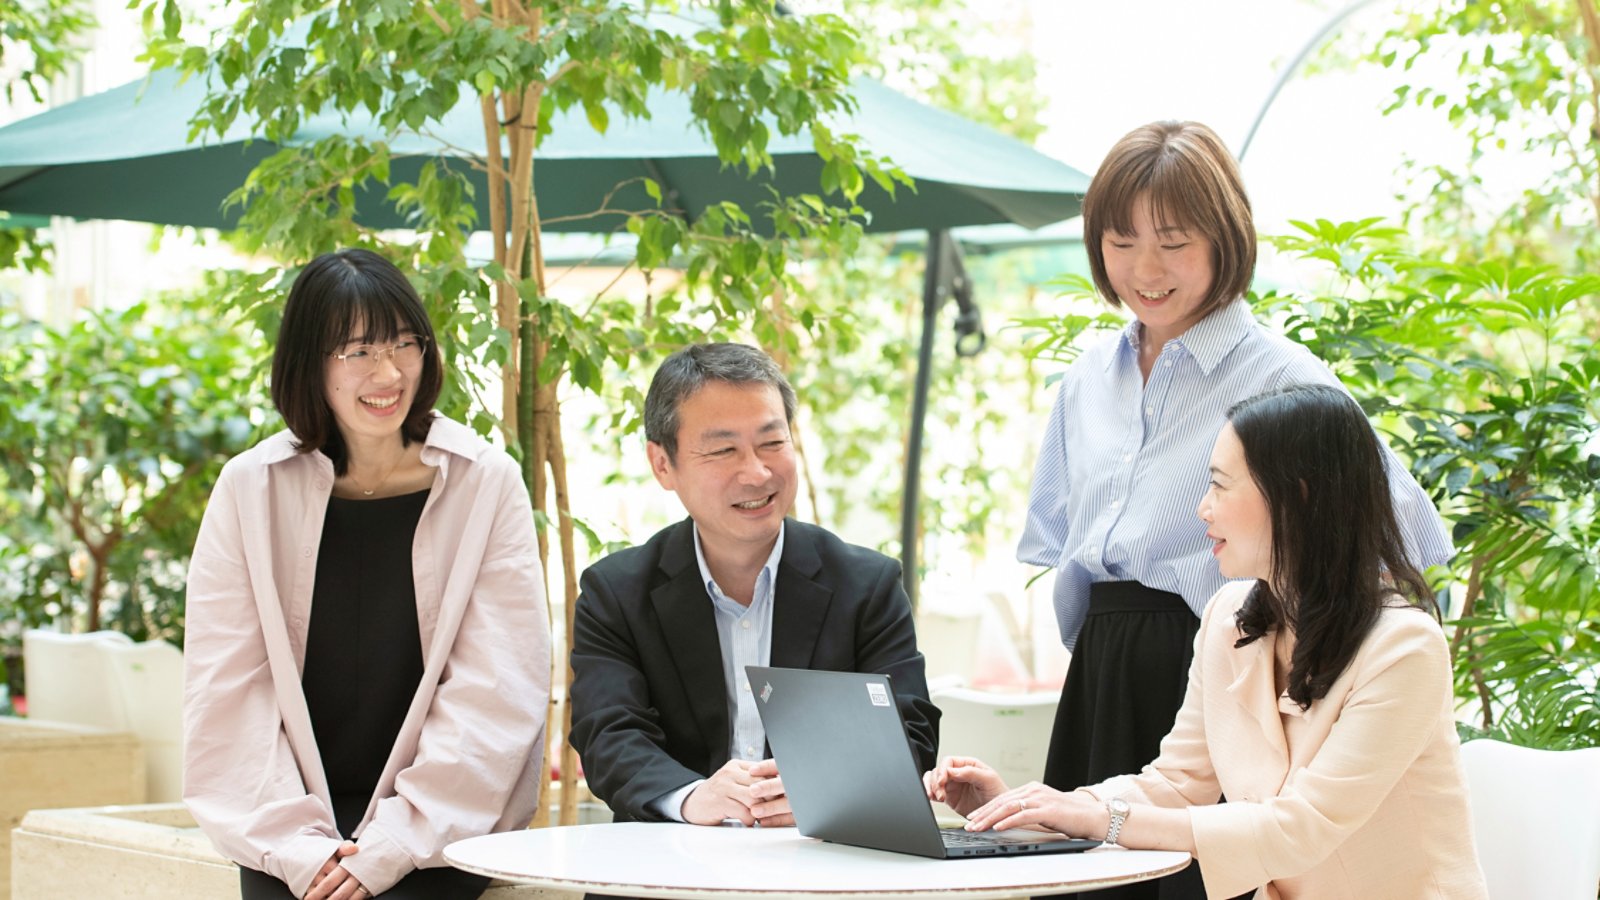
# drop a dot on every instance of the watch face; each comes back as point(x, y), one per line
point(1118, 806)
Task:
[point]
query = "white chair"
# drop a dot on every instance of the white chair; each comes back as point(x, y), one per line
point(148, 678)
point(1010, 732)
point(67, 679)
point(1536, 818)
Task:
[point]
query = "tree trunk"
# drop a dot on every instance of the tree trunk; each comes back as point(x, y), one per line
point(556, 451)
point(1465, 638)
point(781, 323)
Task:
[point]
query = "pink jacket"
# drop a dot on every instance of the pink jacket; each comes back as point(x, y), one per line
point(467, 759)
point(1362, 796)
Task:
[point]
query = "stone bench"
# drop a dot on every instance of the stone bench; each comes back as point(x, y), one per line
point(137, 852)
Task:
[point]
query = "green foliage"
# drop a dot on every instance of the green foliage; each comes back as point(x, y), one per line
point(1480, 340)
point(22, 247)
point(38, 41)
point(953, 55)
point(1060, 338)
point(848, 330)
point(1514, 77)
point(111, 435)
point(1483, 377)
point(748, 72)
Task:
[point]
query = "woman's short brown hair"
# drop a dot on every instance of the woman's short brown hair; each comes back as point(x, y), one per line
point(1193, 182)
point(332, 296)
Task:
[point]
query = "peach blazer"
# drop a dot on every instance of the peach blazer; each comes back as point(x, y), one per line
point(467, 759)
point(1362, 796)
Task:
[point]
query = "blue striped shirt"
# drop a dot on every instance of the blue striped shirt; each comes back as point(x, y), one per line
point(1124, 463)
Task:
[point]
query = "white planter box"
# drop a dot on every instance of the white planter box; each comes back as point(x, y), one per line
point(46, 765)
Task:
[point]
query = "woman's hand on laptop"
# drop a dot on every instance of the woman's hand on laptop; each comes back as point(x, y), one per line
point(1041, 807)
point(963, 783)
point(771, 803)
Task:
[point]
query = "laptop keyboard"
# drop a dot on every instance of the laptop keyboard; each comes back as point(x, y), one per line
point(958, 838)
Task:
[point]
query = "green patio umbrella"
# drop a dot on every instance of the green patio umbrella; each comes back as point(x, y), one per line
point(125, 154)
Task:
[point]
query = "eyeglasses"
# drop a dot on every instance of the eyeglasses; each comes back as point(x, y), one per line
point(363, 358)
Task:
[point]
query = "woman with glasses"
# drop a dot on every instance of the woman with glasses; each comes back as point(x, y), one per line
point(367, 656)
point(1319, 700)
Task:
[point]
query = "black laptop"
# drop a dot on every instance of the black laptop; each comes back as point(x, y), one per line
point(849, 773)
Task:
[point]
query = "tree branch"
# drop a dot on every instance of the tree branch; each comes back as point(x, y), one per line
point(433, 14)
point(1591, 31)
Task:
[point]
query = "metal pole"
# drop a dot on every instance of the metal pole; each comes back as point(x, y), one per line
point(933, 283)
point(1327, 28)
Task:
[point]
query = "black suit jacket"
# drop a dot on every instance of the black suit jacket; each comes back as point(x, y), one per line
point(649, 705)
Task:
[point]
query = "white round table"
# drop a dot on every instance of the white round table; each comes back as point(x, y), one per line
point(668, 860)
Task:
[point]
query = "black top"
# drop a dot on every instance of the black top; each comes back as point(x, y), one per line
point(364, 648)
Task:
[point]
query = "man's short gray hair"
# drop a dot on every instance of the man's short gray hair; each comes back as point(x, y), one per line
point(685, 372)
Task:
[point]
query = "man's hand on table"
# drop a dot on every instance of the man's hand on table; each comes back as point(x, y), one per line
point(749, 792)
point(771, 807)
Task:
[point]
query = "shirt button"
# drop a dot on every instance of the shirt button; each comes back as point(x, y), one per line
point(1168, 364)
point(306, 552)
point(1127, 457)
point(322, 485)
point(1116, 503)
point(749, 750)
point(745, 623)
point(747, 687)
point(1149, 410)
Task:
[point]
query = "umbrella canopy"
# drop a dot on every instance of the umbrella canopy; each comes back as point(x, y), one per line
point(124, 154)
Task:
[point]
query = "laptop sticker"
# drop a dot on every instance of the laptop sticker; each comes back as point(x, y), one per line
point(766, 691)
point(879, 694)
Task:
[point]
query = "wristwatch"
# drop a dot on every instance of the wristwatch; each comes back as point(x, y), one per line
point(1119, 810)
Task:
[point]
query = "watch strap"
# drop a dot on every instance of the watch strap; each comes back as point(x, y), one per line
point(1119, 814)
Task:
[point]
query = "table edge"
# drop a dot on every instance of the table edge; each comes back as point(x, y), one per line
point(663, 892)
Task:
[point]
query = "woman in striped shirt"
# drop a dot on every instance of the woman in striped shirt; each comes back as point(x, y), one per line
point(1123, 461)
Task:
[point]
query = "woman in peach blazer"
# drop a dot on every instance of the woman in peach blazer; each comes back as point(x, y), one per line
point(1319, 699)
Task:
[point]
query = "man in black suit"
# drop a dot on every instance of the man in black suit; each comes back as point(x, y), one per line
point(662, 714)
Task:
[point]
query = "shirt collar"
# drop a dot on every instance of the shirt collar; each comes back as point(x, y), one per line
point(445, 435)
point(769, 569)
point(1209, 341)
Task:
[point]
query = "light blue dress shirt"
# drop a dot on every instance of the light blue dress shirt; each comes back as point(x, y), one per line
point(1124, 462)
point(745, 634)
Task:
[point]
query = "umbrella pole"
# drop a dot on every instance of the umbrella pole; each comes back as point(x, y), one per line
point(933, 286)
point(944, 275)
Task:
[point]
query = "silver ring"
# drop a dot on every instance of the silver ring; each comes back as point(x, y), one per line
point(1022, 804)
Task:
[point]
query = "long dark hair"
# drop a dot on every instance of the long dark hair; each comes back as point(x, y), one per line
point(331, 295)
point(1337, 552)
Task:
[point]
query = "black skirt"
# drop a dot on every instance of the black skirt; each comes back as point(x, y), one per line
point(1124, 687)
point(1124, 684)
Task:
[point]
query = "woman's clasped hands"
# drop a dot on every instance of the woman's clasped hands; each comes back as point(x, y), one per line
point(976, 791)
